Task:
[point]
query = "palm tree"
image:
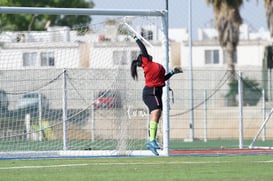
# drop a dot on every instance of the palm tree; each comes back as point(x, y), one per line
point(227, 21)
point(268, 4)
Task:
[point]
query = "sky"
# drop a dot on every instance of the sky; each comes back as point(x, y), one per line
point(202, 14)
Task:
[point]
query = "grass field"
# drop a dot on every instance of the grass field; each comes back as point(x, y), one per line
point(199, 168)
point(24, 145)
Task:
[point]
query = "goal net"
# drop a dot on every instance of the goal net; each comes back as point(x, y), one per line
point(67, 91)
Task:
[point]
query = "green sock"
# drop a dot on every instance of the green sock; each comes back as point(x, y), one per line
point(153, 130)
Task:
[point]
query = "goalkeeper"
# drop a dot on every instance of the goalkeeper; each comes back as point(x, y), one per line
point(155, 77)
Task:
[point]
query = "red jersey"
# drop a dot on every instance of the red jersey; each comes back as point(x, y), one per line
point(154, 73)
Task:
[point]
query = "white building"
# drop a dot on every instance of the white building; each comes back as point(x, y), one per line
point(51, 49)
point(39, 55)
point(209, 54)
point(206, 51)
point(61, 48)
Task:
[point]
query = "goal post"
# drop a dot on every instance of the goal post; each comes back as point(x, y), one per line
point(75, 86)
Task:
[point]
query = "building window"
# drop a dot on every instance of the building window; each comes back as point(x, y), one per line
point(30, 59)
point(47, 59)
point(147, 34)
point(120, 58)
point(211, 56)
point(150, 35)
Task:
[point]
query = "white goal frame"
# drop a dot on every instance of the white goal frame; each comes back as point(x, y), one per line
point(103, 12)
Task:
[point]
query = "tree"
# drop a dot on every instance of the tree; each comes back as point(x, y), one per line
point(251, 91)
point(227, 21)
point(268, 4)
point(23, 22)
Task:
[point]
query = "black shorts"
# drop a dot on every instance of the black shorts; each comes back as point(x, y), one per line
point(152, 97)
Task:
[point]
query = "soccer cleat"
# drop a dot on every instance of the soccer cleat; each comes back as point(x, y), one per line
point(150, 146)
point(155, 145)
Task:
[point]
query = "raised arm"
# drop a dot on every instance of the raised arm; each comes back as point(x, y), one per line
point(142, 47)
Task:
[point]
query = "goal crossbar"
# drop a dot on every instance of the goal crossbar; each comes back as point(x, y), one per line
point(163, 14)
point(80, 11)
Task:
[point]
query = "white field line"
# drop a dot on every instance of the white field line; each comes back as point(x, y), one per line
point(42, 166)
point(120, 163)
point(266, 161)
point(98, 164)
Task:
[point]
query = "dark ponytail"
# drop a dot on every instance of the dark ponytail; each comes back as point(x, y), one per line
point(134, 69)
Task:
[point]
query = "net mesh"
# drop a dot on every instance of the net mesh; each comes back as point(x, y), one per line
point(70, 89)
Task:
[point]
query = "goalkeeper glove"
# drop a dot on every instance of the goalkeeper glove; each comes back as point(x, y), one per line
point(133, 35)
point(177, 70)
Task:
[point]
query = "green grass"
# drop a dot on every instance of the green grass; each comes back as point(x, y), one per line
point(215, 144)
point(21, 145)
point(189, 168)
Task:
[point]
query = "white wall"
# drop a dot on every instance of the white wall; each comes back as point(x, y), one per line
point(251, 54)
point(248, 53)
point(101, 54)
point(66, 54)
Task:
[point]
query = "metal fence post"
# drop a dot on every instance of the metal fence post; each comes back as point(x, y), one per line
point(241, 104)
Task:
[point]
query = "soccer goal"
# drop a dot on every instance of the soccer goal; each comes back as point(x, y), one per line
point(68, 92)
